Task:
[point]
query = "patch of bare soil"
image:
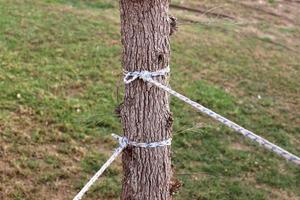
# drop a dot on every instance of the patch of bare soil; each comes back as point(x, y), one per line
point(274, 23)
point(286, 12)
point(273, 193)
point(281, 11)
point(21, 161)
point(240, 147)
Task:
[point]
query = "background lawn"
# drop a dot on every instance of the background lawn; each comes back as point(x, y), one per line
point(60, 81)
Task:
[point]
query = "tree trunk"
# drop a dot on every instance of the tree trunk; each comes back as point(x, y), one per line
point(145, 111)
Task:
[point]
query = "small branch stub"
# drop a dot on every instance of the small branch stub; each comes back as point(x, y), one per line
point(173, 25)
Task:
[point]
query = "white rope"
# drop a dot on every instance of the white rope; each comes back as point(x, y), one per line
point(131, 76)
point(123, 143)
point(144, 145)
point(148, 76)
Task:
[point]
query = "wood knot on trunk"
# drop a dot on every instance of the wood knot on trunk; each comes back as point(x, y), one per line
point(169, 121)
point(175, 186)
point(118, 110)
point(173, 25)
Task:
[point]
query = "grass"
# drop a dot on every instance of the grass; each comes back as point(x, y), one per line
point(59, 73)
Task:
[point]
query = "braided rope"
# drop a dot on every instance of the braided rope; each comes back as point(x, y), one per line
point(144, 145)
point(123, 143)
point(131, 76)
point(148, 77)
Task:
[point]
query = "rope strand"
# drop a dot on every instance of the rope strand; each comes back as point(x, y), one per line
point(123, 143)
point(148, 77)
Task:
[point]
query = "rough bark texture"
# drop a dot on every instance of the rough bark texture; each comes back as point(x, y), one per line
point(145, 111)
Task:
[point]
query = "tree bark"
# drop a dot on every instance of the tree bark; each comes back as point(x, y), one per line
point(145, 114)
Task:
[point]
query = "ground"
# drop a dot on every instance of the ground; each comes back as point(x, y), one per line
point(61, 79)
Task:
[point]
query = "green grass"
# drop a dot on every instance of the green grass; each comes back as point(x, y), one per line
point(59, 74)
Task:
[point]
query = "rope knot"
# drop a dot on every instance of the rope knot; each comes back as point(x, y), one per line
point(123, 141)
point(144, 75)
